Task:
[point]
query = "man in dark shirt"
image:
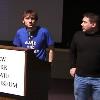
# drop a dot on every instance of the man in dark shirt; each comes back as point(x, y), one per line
point(85, 49)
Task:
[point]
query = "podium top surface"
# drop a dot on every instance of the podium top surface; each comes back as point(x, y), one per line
point(13, 48)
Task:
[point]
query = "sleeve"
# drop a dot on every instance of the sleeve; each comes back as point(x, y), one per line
point(16, 40)
point(73, 52)
point(49, 39)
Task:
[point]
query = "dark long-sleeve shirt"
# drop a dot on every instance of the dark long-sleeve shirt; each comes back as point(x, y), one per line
point(85, 49)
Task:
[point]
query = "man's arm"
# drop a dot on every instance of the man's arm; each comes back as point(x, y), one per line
point(73, 57)
point(51, 53)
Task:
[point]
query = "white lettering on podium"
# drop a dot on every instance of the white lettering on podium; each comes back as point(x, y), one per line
point(3, 67)
point(4, 75)
point(9, 84)
point(2, 59)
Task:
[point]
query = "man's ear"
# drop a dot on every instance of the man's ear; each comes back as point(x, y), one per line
point(94, 25)
point(23, 22)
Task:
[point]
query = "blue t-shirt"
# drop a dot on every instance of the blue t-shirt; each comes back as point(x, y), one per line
point(39, 41)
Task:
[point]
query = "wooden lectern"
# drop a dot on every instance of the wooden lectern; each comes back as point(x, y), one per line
point(22, 75)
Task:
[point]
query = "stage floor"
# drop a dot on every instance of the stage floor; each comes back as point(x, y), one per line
point(61, 89)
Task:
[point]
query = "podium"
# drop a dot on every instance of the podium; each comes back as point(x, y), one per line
point(22, 75)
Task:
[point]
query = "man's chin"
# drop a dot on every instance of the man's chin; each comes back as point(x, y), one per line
point(84, 30)
point(30, 26)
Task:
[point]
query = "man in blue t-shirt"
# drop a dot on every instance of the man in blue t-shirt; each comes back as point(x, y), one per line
point(34, 37)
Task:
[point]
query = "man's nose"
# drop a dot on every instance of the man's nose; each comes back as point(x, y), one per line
point(30, 20)
point(81, 24)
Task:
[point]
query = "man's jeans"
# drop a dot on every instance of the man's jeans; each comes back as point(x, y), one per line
point(86, 86)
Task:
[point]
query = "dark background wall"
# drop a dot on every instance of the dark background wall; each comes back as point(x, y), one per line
point(72, 16)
